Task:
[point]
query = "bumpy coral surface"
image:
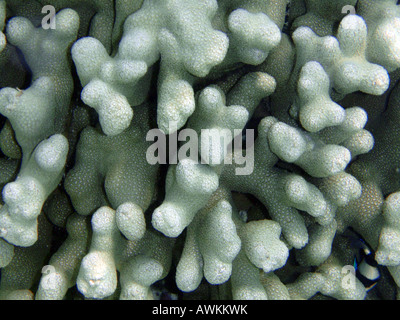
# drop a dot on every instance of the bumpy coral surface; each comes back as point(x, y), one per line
point(199, 149)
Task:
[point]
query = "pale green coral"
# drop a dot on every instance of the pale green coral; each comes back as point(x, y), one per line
point(116, 167)
point(317, 110)
point(140, 263)
point(25, 196)
point(382, 18)
point(331, 279)
point(64, 265)
point(211, 245)
point(31, 113)
point(213, 119)
point(19, 276)
point(107, 195)
point(189, 185)
point(52, 45)
point(388, 249)
point(343, 57)
point(2, 24)
point(321, 16)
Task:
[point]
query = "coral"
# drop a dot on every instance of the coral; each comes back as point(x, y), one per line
point(140, 263)
point(329, 279)
point(218, 149)
point(321, 16)
point(155, 31)
point(64, 264)
point(112, 170)
point(51, 45)
point(2, 24)
point(382, 19)
point(343, 57)
point(24, 198)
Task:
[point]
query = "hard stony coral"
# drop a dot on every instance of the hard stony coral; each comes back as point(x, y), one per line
point(2, 23)
point(199, 149)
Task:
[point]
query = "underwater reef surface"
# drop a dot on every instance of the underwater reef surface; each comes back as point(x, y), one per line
point(199, 149)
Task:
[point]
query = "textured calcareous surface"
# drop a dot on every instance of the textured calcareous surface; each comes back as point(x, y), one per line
point(199, 149)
